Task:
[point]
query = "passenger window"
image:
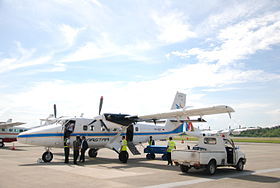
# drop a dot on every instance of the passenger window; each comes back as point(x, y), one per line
point(3, 129)
point(20, 130)
point(85, 127)
point(136, 128)
point(103, 129)
point(10, 130)
point(211, 141)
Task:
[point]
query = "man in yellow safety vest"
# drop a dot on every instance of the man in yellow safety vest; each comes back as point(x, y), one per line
point(151, 141)
point(124, 144)
point(170, 146)
point(123, 156)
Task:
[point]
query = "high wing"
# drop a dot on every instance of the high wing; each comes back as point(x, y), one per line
point(183, 113)
point(4, 125)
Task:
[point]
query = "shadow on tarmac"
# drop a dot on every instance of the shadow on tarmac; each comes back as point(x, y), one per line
point(222, 173)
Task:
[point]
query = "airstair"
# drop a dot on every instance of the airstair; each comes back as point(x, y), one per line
point(133, 149)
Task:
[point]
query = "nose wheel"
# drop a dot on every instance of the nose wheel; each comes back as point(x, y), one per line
point(47, 156)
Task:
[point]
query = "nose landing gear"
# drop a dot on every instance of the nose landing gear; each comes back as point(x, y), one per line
point(47, 156)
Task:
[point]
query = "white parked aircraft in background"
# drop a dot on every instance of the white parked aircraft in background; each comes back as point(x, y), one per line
point(9, 131)
point(105, 130)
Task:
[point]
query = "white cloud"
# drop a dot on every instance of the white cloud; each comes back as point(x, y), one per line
point(69, 33)
point(173, 28)
point(221, 89)
point(140, 97)
point(105, 47)
point(240, 40)
point(25, 59)
point(96, 2)
point(274, 112)
point(252, 105)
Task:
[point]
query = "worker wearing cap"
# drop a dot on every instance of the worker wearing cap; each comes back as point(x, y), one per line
point(66, 149)
point(170, 146)
point(76, 148)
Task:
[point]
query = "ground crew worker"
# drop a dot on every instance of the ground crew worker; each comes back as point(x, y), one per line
point(151, 141)
point(123, 152)
point(84, 147)
point(76, 148)
point(170, 146)
point(66, 149)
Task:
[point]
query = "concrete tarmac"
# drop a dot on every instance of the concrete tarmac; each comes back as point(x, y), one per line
point(21, 168)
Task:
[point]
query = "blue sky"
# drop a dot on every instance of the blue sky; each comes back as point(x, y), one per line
point(137, 54)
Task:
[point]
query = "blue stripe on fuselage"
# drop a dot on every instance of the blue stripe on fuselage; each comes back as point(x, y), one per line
point(179, 129)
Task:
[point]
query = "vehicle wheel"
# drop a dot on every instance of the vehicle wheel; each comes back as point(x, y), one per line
point(92, 152)
point(1, 144)
point(211, 167)
point(153, 156)
point(123, 156)
point(164, 157)
point(148, 156)
point(240, 165)
point(184, 168)
point(47, 156)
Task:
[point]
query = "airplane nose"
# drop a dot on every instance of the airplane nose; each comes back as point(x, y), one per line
point(21, 138)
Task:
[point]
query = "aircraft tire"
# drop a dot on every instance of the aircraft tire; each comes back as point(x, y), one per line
point(123, 156)
point(153, 156)
point(47, 156)
point(92, 153)
point(2, 144)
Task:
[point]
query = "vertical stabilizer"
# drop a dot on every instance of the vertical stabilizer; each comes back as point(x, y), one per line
point(179, 101)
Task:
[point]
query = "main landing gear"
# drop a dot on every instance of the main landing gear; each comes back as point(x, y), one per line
point(47, 156)
point(92, 152)
point(123, 156)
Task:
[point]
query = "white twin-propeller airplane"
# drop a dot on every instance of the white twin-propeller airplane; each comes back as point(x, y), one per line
point(106, 130)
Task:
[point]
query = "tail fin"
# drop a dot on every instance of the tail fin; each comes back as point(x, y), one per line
point(179, 101)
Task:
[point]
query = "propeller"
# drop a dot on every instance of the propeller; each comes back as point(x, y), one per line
point(100, 108)
point(54, 110)
point(100, 104)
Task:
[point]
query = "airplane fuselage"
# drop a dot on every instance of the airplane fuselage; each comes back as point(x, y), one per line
point(96, 135)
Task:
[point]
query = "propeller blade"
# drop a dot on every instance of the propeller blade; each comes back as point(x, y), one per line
point(54, 110)
point(100, 104)
point(104, 125)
